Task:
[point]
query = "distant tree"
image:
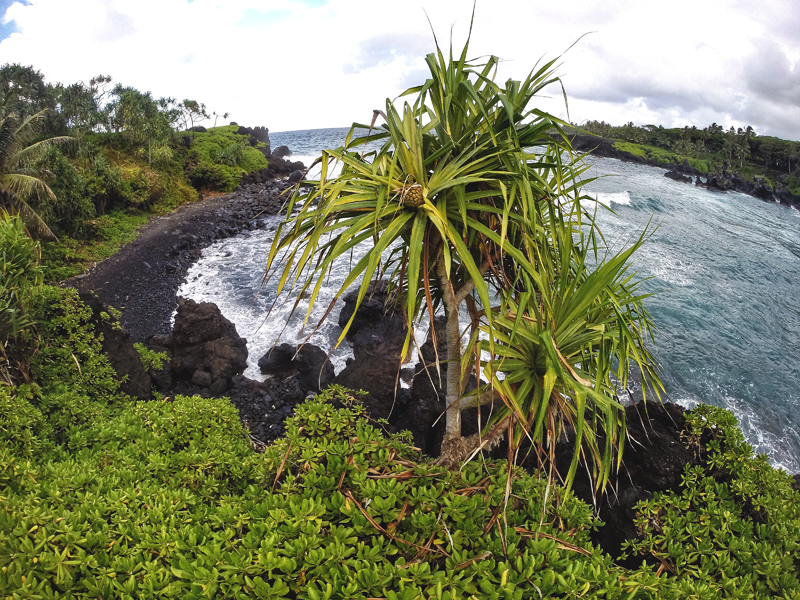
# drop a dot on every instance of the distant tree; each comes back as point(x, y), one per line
point(24, 92)
point(141, 119)
point(191, 112)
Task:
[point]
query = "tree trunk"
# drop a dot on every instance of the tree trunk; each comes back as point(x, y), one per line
point(453, 388)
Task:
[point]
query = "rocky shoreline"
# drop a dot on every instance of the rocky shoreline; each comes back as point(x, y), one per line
point(142, 279)
point(723, 182)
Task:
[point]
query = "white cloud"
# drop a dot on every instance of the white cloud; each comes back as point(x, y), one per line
point(303, 64)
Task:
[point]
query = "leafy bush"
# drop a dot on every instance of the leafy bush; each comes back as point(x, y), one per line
point(734, 528)
point(150, 358)
point(168, 499)
point(215, 177)
point(74, 205)
point(70, 355)
point(20, 276)
point(218, 158)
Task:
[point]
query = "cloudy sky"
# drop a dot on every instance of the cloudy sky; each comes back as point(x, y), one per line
point(301, 64)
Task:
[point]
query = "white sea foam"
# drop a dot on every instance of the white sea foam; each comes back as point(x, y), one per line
point(609, 198)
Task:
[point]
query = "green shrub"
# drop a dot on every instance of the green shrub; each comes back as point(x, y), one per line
point(74, 205)
point(218, 158)
point(734, 527)
point(215, 177)
point(168, 499)
point(630, 148)
point(150, 358)
point(21, 276)
point(24, 432)
point(70, 355)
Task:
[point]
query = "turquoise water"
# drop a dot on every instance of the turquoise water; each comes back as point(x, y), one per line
point(725, 266)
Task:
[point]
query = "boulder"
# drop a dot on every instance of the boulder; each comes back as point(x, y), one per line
point(207, 351)
point(309, 366)
point(296, 176)
point(281, 152)
point(118, 347)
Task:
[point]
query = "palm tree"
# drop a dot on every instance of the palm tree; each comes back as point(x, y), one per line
point(20, 178)
point(462, 217)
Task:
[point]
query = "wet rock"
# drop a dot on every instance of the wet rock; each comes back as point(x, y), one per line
point(674, 175)
point(309, 366)
point(279, 361)
point(281, 152)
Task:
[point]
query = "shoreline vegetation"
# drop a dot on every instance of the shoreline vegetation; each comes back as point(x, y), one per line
point(106, 494)
point(765, 167)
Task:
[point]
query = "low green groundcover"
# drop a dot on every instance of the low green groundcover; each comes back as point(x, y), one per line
point(103, 497)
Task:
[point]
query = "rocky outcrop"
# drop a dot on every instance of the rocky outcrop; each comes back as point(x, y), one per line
point(207, 352)
point(674, 175)
point(118, 347)
point(309, 365)
point(655, 456)
point(257, 134)
point(378, 333)
point(278, 167)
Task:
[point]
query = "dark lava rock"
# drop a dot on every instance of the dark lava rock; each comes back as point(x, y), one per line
point(118, 346)
point(207, 350)
point(296, 176)
point(198, 129)
point(279, 361)
point(281, 152)
point(377, 334)
point(654, 460)
point(309, 366)
point(678, 177)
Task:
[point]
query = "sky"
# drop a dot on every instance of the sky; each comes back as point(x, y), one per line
point(304, 64)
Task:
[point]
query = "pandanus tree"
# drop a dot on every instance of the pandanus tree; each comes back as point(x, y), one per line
point(471, 205)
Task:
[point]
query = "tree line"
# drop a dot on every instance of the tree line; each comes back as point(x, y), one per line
point(738, 145)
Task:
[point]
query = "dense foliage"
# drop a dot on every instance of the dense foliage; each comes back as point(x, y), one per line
point(101, 496)
point(127, 159)
point(218, 158)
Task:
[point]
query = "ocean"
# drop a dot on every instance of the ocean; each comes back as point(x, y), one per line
point(724, 267)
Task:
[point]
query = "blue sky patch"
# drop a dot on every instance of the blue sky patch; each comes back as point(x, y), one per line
point(6, 29)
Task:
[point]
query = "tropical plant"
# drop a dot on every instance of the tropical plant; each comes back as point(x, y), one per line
point(462, 216)
point(20, 179)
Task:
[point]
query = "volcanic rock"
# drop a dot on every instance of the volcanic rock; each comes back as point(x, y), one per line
point(207, 351)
